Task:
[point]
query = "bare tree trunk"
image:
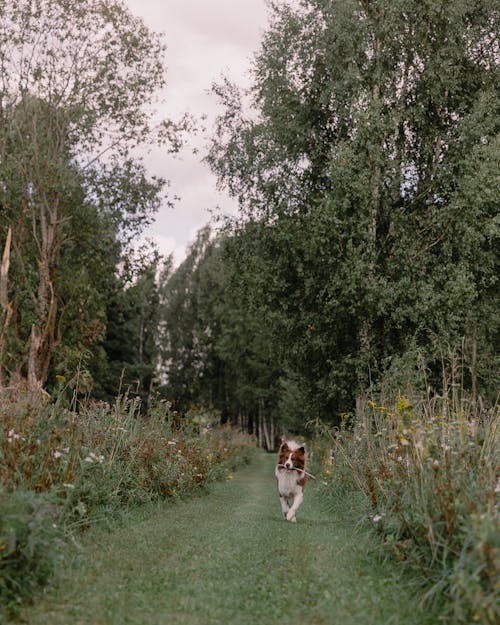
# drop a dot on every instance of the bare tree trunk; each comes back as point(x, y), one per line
point(260, 427)
point(473, 371)
point(5, 305)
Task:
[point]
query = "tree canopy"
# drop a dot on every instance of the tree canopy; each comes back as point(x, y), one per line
point(364, 158)
point(77, 83)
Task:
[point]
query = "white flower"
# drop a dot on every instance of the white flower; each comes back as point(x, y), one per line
point(57, 454)
point(378, 517)
point(12, 436)
point(171, 443)
point(69, 485)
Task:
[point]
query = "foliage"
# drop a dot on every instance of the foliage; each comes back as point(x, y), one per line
point(430, 472)
point(72, 468)
point(73, 190)
point(30, 545)
point(365, 161)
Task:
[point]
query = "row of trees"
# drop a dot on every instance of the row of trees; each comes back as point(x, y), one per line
point(77, 80)
point(365, 159)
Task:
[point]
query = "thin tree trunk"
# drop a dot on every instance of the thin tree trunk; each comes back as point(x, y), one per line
point(473, 370)
point(5, 305)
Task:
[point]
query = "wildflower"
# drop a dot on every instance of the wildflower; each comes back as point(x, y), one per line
point(61, 378)
point(435, 464)
point(57, 454)
point(328, 472)
point(402, 404)
point(230, 477)
point(378, 517)
point(69, 485)
point(13, 436)
point(199, 475)
point(404, 441)
point(171, 443)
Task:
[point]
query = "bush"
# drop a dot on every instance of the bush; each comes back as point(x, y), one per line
point(30, 543)
point(67, 468)
point(432, 480)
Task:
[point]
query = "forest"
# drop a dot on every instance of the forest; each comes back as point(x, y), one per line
point(364, 159)
point(359, 276)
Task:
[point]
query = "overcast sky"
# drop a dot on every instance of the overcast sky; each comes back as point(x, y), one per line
point(205, 39)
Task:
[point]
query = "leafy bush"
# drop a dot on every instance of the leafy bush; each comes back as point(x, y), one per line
point(30, 542)
point(431, 476)
point(67, 468)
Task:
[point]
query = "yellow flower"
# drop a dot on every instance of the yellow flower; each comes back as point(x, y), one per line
point(230, 477)
point(61, 378)
point(402, 404)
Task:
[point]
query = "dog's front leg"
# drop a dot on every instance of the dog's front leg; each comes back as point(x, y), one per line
point(297, 500)
point(284, 505)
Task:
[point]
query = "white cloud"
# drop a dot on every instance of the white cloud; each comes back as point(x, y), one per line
point(205, 38)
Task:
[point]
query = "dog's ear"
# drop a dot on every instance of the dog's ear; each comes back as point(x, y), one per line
point(283, 446)
point(302, 449)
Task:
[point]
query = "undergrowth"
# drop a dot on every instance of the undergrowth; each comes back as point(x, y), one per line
point(430, 472)
point(62, 469)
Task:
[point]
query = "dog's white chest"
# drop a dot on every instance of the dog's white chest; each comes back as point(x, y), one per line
point(287, 483)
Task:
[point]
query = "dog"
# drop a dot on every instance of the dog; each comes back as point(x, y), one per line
point(291, 477)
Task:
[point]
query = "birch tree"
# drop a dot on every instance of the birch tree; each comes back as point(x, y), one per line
point(78, 81)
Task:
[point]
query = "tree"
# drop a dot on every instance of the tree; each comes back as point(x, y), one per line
point(74, 78)
point(370, 116)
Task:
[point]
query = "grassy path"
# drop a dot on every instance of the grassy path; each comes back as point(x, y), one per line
point(229, 559)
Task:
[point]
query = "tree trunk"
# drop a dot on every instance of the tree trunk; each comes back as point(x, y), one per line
point(5, 305)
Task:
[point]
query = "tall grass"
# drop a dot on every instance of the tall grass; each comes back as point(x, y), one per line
point(62, 469)
point(431, 474)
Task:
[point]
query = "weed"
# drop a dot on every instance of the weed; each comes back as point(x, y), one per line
point(432, 479)
point(89, 463)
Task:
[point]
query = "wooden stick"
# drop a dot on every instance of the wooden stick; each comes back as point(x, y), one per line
point(297, 469)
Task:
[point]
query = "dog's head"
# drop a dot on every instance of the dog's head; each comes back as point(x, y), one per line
point(292, 455)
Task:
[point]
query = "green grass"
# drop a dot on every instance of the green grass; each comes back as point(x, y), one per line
point(229, 558)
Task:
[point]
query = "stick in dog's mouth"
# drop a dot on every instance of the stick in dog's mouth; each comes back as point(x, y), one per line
point(296, 469)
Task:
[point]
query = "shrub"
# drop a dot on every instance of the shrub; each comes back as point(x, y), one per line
point(432, 480)
point(30, 543)
point(62, 467)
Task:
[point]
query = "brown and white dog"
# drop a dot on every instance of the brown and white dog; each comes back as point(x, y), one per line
point(291, 476)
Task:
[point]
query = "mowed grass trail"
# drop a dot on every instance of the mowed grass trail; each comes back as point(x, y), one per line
point(228, 558)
